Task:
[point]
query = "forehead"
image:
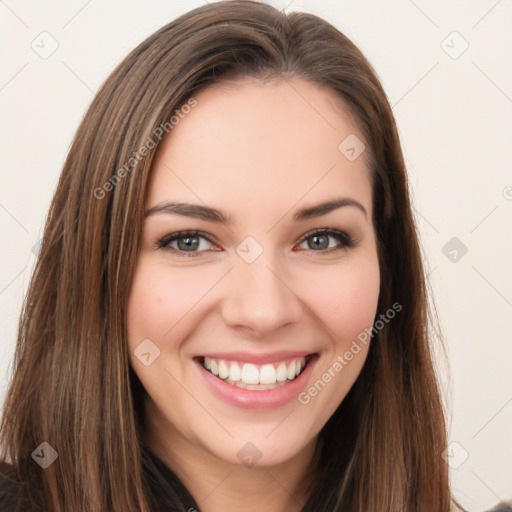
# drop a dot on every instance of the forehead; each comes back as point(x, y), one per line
point(252, 144)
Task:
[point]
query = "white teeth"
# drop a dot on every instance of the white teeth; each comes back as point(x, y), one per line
point(250, 376)
point(281, 373)
point(235, 374)
point(291, 370)
point(268, 374)
point(223, 370)
point(259, 387)
point(256, 387)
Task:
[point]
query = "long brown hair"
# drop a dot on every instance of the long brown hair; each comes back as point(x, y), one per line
point(72, 384)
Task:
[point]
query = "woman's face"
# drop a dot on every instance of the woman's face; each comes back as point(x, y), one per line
point(255, 293)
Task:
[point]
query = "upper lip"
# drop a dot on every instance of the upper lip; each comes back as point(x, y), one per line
point(263, 358)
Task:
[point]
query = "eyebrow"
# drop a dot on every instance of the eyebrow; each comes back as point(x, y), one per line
point(197, 211)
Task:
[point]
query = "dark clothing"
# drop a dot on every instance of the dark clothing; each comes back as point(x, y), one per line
point(164, 489)
point(502, 507)
point(12, 495)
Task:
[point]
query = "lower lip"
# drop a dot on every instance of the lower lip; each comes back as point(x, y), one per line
point(254, 399)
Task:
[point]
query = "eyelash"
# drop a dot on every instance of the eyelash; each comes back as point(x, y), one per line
point(346, 241)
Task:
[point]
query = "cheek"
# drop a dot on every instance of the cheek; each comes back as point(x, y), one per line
point(159, 299)
point(144, 319)
point(346, 298)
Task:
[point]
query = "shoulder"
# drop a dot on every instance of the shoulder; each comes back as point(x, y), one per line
point(12, 498)
point(8, 487)
point(502, 507)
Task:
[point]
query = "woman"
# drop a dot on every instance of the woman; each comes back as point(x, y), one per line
point(229, 307)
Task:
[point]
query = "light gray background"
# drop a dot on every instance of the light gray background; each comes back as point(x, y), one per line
point(454, 117)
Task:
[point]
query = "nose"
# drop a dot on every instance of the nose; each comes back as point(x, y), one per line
point(260, 298)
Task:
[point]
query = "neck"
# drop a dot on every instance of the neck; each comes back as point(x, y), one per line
point(219, 485)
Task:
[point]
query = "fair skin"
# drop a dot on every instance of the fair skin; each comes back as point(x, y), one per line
point(258, 152)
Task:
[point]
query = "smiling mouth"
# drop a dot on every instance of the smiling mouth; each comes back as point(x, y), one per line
point(256, 377)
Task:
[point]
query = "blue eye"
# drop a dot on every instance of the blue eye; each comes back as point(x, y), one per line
point(320, 240)
point(194, 243)
point(189, 243)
